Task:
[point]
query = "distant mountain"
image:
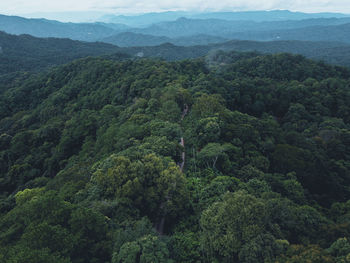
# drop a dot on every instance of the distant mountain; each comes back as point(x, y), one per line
point(144, 20)
point(183, 31)
point(200, 39)
point(27, 53)
point(187, 27)
point(273, 15)
point(50, 28)
point(129, 39)
point(117, 27)
point(68, 16)
point(227, 29)
point(168, 51)
point(330, 52)
point(339, 33)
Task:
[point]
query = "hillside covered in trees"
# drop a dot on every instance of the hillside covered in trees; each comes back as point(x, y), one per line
point(235, 157)
point(25, 53)
point(28, 53)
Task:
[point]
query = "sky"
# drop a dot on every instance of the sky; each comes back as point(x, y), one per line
point(18, 7)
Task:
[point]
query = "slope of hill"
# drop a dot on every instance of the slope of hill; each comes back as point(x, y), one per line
point(331, 52)
point(143, 20)
point(50, 28)
point(167, 51)
point(196, 40)
point(129, 39)
point(245, 160)
point(27, 53)
point(338, 33)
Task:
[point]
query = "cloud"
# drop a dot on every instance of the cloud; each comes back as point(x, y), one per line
point(27, 6)
point(158, 5)
point(234, 5)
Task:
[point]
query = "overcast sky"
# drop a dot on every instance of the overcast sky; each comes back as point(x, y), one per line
point(137, 6)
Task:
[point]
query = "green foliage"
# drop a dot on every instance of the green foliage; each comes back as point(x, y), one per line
point(186, 247)
point(147, 249)
point(150, 161)
point(312, 253)
point(48, 226)
point(27, 53)
point(226, 227)
point(146, 182)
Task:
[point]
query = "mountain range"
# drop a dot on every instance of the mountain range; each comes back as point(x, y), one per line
point(144, 20)
point(50, 28)
point(330, 52)
point(227, 28)
point(201, 30)
point(28, 53)
point(130, 39)
point(34, 44)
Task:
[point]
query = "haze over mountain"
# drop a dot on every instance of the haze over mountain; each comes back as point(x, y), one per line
point(67, 16)
point(338, 33)
point(225, 28)
point(143, 20)
point(49, 28)
point(27, 53)
point(196, 31)
point(331, 52)
point(130, 39)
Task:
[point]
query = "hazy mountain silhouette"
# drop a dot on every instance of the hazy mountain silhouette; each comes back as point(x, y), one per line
point(50, 28)
point(129, 39)
point(147, 19)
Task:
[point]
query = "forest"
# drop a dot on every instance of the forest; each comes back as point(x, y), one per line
point(231, 157)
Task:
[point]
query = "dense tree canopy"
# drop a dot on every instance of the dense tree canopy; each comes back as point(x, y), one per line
point(243, 159)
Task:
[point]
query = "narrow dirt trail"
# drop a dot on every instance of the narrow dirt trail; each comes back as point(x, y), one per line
point(160, 225)
point(182, 141)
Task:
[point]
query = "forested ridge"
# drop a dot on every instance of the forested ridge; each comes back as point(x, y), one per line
point(25, 53)
point(28, 53)
point(234, 157)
